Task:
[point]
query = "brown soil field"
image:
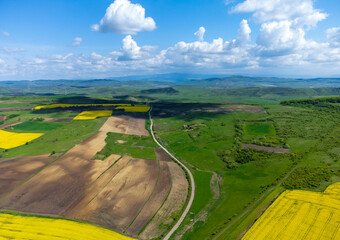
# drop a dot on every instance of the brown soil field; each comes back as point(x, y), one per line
point(14, 171)
point(122, 193)
point(6, 125)
point(55, 188)
point(158, 197)
point(117, 197)
point(127, 124)
point(235, 108)
point(174, 202)
point(266, 149)
point(15, 109)
point(58, 119)
point(3, 118)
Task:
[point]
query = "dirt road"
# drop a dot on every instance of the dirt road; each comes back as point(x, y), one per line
point(192, 182)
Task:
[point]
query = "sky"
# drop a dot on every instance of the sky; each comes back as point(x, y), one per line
point(84, 39)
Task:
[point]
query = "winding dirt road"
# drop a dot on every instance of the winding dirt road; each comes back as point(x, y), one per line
point(192, 182)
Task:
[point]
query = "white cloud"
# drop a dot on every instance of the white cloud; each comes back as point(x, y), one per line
point(124, 17)
point(243, 32)
point(77, 41)
point(6, 34)
point(333, 35)
point(130, 49)
point(301, 12)
point(13, 50)
point(200, 33)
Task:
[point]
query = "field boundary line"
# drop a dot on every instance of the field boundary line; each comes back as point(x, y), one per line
point(192, 182)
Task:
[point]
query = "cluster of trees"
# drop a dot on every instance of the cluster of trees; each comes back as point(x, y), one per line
point(306, 177)
point(313, 101)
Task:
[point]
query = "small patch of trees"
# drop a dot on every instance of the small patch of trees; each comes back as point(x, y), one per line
point(307, 177)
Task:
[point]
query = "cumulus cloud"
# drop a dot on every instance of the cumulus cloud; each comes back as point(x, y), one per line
point(6, 34)
point(333, 35)
point(302, 12)
point(281, 47)
point(124, 17)
point(130, 49)
point(243, 32)
point(77, 41)
point(200, 33)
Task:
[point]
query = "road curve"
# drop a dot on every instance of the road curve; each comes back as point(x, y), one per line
point(192, 182)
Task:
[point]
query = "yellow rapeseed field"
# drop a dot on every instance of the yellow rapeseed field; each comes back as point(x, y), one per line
point(60, 105)
point(300, 215)
point(11, 140)
point(92, 115)
point(27, 227)
point(136, 108)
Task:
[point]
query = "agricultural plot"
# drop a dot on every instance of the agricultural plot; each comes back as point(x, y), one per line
point(125, 107)
point(11, 140)
point(14, 171)
point(128, 124)
point(62, 105)
point(300, 215)
point(40, 228)
point(135, 108)
point(86, 115)
point(118, 191)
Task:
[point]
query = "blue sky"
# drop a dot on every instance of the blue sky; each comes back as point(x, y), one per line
point(45, 39)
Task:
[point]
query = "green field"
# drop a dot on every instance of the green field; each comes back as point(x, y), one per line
point(233, 185)
point(134, 146)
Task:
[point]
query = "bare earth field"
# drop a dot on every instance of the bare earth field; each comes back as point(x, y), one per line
point(174, 202)
point(266, 149)
point(14, 109)
point(58, 119)
point(127, 124)
point(3, 118)
point(120, 192)
point(14, 171)
point(6, 125)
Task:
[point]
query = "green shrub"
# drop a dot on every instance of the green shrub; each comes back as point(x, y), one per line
point(307, 177)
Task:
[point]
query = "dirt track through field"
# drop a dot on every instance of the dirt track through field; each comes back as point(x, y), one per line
point(14, 171)
point(3, 118)
point(174, 202)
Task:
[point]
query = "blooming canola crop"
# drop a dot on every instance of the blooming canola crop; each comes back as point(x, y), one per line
point(11, 140)
point(135, 108)
point(92, 115)
point(300, 215)
point(126, 107)
point(60, 105)
point(39, 228)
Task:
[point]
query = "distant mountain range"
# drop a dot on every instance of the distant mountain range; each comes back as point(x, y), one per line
point(171, 80)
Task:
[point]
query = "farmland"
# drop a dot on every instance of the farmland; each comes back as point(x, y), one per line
point(114, 175)
point(16, 226)
point(12, 140)
point(300, 215)
point(92, 115)
point(107, 170)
